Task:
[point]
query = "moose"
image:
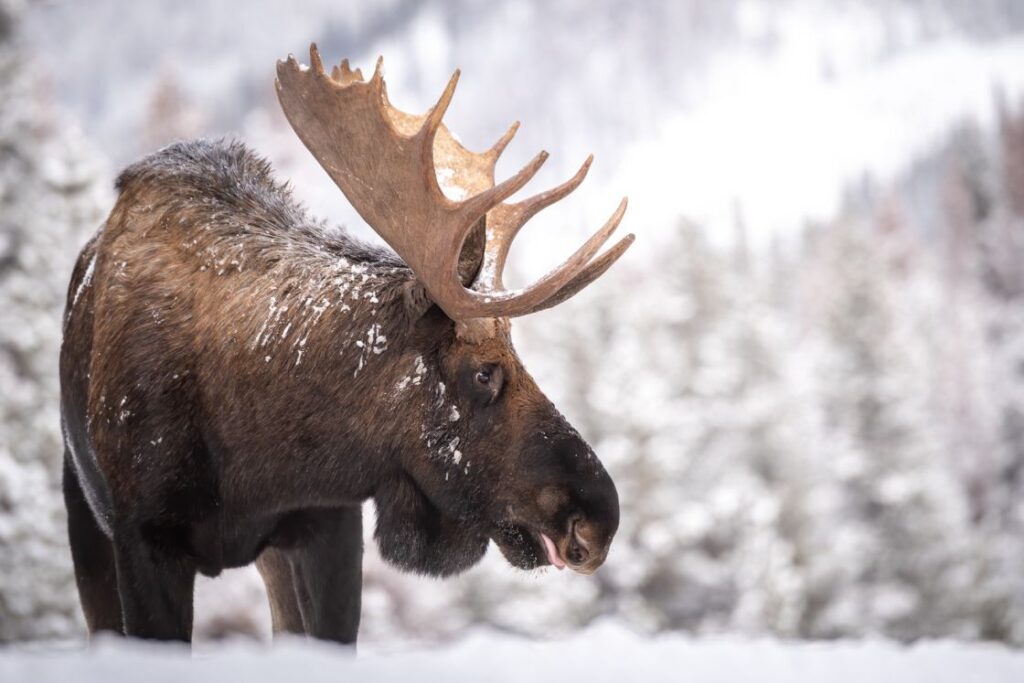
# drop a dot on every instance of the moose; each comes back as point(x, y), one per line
point(237, 378)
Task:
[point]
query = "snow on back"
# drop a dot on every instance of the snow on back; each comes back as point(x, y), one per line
point(294, 316)
point(376, 343)
point(86, 280)
point(419, 371)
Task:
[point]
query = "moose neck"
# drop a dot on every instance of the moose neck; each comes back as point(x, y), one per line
point(330, 330)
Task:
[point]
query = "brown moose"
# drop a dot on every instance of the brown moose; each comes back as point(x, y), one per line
point(237, 378)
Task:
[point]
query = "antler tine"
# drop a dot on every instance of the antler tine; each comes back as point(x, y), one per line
point(314, 60)
point(498, 147)
point(597, 240)
point(505, 221)
point(594, 270)
point(545, 199)
point(431, 124)
point(378, 72)
point(479, 204)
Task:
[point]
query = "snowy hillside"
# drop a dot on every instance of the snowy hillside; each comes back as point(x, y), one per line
point(603, 654)
point(693, 108)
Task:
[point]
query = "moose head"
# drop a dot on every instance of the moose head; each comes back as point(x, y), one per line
point(494, 453)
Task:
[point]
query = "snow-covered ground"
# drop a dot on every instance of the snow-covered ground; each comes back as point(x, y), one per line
point(605, 652)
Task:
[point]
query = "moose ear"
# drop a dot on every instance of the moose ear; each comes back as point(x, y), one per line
point(472, 256)
point(418, 301)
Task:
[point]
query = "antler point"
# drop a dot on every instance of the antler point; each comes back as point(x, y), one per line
point(436, 113)
point(314, 59)
point(499, 146)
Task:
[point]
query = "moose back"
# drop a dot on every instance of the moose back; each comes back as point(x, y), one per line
point(237, 378)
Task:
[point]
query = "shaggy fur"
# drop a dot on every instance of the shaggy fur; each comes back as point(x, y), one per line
point(238, 378)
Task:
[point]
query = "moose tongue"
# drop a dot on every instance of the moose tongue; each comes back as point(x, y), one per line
point(553, 557)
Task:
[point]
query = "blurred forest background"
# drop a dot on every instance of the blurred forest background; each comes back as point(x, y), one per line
point(807, 378)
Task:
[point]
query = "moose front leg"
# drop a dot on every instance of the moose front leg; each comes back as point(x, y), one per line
point(315, 585)
point(155, 585)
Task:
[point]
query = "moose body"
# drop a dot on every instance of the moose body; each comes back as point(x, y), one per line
point(237, 379)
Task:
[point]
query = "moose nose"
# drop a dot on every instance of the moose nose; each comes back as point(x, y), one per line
point(578, 551)
point(583, 551)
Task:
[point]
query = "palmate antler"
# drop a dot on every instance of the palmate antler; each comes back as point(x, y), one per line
point(387, 163)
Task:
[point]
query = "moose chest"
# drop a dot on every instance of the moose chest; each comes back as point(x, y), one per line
point(225, 541)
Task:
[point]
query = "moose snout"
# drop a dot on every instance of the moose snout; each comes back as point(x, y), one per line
point(578, 502)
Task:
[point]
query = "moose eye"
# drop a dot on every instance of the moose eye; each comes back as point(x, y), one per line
point(484, 383)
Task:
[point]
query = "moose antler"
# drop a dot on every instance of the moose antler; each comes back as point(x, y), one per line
point(388, 164)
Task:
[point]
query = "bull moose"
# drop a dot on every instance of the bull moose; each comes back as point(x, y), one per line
point(237, 378)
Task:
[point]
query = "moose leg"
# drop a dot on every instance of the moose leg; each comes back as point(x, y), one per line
point(326, 574)
point(155, 585)
point(276, 570)
point(93, 557)
point(329, 576)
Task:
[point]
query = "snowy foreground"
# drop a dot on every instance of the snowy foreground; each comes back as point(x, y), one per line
point(604, 653)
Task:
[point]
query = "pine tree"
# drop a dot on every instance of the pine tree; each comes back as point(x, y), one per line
point(901, 561)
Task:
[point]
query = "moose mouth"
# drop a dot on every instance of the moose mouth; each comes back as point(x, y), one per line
point(527, 548)
point(552, 550)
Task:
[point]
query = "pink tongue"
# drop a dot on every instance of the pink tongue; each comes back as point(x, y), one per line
point(553, 557)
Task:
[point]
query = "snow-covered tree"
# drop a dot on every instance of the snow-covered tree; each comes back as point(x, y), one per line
point(902, 560)
point(50, 199)
point(170, 114)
